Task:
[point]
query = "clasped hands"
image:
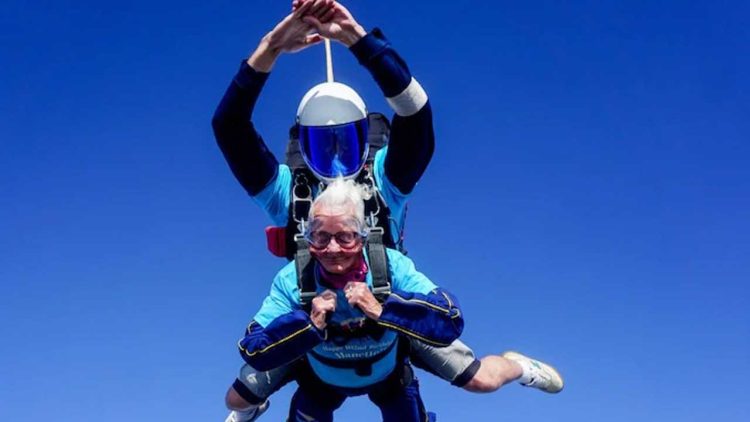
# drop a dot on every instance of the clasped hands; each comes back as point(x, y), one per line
point(312, 20)
point(357, 294)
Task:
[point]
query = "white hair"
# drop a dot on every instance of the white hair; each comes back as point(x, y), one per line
point(343, 195)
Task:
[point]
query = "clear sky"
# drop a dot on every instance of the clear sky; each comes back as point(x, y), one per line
point(588, 202)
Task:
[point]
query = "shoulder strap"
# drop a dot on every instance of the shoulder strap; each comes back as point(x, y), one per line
point(376, 254)
point(378, 133)
point(299, 207)
point(305, 273)
point(292, 155)
point(377, 213)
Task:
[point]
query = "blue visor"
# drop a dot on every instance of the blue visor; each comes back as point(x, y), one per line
point(332, 151)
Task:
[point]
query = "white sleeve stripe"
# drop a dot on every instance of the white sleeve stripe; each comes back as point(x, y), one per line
point(410, 100)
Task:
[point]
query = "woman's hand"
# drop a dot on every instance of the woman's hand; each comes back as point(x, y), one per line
point(359, 295)
point(322, 305)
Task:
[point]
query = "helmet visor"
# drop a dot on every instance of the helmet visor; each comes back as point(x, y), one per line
point(332, 151)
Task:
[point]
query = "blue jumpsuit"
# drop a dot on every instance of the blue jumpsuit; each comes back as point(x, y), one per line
point(355, 355)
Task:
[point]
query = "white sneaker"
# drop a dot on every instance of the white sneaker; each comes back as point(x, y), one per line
point(248, 415)
point(540, 375)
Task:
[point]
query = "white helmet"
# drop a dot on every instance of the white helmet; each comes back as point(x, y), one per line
point(332, 121)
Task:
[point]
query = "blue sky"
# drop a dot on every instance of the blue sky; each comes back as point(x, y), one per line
point(588, 202)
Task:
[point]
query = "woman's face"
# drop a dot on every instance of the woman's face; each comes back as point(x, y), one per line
point(335, 257)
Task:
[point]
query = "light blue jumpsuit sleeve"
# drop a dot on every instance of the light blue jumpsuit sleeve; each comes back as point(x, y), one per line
point(417, 308)
point(405, 276)
point(395, 200)
point(283, 298)
point(275, 198)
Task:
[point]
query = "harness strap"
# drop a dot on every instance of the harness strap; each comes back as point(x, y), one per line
point(381, 280)
point(299, 208)
point(305, 267)
point(362, 367)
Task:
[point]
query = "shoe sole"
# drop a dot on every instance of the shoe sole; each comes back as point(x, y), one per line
point(549, 368)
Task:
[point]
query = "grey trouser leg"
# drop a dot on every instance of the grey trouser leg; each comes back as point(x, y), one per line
point(261, 384)
point(455, 363)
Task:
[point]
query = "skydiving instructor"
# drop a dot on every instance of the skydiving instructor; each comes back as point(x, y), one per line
point(401, 165)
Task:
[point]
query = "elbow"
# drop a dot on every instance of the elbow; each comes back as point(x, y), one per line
point(454, 319)
point(453, 329)
point(409, 101)
point(252, 347)
point(219, 125)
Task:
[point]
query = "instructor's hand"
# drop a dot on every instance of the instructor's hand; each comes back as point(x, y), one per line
point(322, 305)
point(359, 295)
point(334, 21)
point(290, 35)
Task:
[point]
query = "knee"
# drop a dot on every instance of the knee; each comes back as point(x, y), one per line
point(234, 401)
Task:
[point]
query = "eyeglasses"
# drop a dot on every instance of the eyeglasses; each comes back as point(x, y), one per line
point(321, 239)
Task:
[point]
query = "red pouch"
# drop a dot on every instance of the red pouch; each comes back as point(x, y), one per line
point(276, 240)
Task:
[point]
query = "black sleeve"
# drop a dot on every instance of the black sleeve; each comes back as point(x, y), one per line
point(412, 141)
point(410, 149)
point(248, 157)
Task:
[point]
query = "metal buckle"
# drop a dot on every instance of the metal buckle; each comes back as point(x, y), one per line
point(306, 297)
point(301, 197)
point(382, 291)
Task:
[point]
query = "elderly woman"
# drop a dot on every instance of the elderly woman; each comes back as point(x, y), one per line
point(349, 342)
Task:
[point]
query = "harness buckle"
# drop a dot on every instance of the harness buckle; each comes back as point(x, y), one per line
point(381, 293)
point(306, 298)
point(301, 198)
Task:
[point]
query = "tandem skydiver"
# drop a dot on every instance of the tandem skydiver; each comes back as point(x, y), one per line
point(333, 115)
point(345, 342)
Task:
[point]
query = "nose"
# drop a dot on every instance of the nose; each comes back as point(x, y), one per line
point(331, 247)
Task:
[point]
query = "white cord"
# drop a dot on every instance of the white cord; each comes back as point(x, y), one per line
point(329, 60)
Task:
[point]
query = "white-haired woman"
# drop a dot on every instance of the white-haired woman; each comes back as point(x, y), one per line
point(348, 342)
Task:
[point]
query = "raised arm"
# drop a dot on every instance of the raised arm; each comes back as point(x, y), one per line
point(252, 163)
point(412, 140)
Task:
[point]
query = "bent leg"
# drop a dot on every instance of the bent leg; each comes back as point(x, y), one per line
point(457, 364)
point(252, 387)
